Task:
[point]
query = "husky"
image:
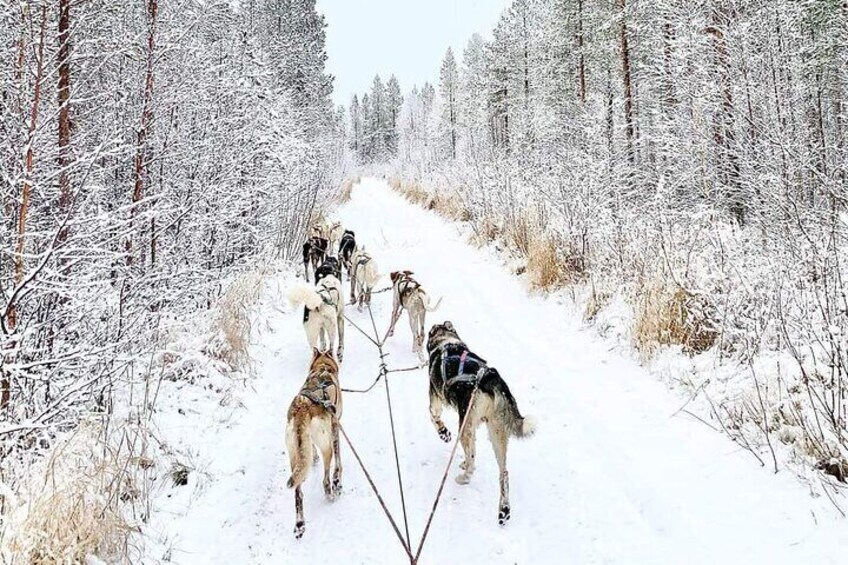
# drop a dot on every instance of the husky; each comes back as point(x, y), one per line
point(347, 247)
point(409, 295)
point(313, 420)
point(323, 313)
point(333, 233)
point(363, 278)
point(455, 373)
point(314, 253)
point(330, 266)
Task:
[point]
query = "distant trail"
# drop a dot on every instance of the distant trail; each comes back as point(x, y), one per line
point(608, 478)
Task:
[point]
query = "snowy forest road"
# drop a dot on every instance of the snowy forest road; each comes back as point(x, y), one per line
point(611, 476)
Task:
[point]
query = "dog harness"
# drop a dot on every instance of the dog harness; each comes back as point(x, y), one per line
point(406, 285)
point(469, 368)
point(318, 243)
point(363, 259)
point(327, 268)
point(318, 393)
point(324, 293)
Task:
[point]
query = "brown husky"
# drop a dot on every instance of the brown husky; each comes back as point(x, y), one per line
point(313, 419)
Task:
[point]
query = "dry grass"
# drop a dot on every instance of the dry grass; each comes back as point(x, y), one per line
point(488, 230)
point(412, 191)
point(447, 204)
point(450, 206)
point(78, 506)
point(596, 302)
point(234, 320)
point(673, 316)
point(544, 264)
point(520, 232)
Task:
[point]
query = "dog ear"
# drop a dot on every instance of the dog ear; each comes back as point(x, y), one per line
point(315, 353)
point(449, 326)
point(394, 275)
point(408, 273)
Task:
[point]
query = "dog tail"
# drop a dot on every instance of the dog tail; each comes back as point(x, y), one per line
point(518, 426)
point(305, 295)
point(434, 307)
point(299, 446)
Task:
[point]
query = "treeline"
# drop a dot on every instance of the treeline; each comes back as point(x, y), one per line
point(721, 102)
point(148, 151)
point(688, 156)
point(375, 122)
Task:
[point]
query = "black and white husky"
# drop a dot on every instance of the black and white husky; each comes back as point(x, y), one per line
point(330, 266)
point(314, 253)
point(347, 247)
point(455, 374)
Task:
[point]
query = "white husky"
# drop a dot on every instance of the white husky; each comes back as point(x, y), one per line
point(363, 277)
point(323, 313)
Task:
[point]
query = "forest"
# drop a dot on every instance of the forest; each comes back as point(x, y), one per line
point(673, 170)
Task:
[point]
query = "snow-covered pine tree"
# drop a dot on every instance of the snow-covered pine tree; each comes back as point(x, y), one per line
point(449, 90)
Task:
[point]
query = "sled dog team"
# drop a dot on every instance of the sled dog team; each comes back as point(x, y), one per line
point(455, 371)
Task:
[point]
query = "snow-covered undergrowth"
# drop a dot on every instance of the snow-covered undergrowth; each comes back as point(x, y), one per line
point(748, 323)
point(89, 493)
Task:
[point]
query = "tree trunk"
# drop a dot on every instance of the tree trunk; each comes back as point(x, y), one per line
point(725, 137)
point(145, 127)
point(26, 195)
point(64, 160)
point(668, 75)
point(581, 66)
point(630, 129)
point(452, 103)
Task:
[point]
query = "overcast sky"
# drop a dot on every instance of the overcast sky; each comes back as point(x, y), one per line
point(404, 37)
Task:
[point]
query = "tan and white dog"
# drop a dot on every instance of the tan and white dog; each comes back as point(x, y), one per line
point(410, 296)
point(363, 277)
point(313, 420)
point(334, 234)
point(323, 313)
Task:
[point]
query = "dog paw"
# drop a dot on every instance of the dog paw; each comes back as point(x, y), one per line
point(445, 435)
point(299, 529)
point(337, 487)
point(503, 515)
point(463, 479)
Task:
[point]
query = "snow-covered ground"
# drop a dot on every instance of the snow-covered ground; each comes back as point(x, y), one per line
point(612, 475)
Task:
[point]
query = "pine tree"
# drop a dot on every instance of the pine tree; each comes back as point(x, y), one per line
point(367, 146)
point(394, 102)
point(356, 125)
point(379, 119)
point(296, 34)
point(448, 89)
